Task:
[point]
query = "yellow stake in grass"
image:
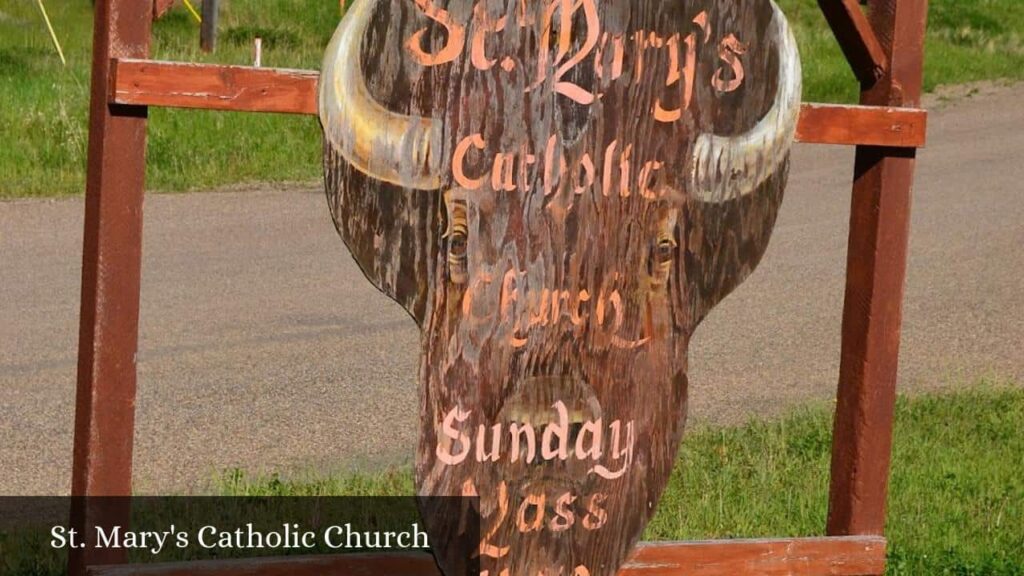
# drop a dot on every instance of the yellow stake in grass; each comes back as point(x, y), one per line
point(195, 13)
point(53, 36)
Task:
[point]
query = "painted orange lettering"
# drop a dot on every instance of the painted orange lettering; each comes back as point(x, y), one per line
point(486, 548)
point(537, 502)
point(596, 516)
point(452, 48)
point(564, 516)
point(730, 51)
point(484, 25)
point(661, 114)
point(501, 175)
point(459, 162)
point(568, 89)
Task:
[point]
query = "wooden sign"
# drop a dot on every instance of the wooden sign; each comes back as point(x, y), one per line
point(558, 191)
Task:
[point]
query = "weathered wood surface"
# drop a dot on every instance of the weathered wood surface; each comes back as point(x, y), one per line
point(213, 87)
point(871, 319)
point(161, 7)
point(558, 193)
point(863, 126)
point(856, 38)
point(860, 556)
point(248, 89)
point(876, 272)
point(855, 556)
point(111, 279)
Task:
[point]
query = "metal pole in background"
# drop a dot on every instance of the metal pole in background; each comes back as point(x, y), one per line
point(208, 32)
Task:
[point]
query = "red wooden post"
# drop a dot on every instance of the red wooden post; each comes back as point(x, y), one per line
point(856, 38)
point(876, 269)
point(160, 7)
point(111, 261)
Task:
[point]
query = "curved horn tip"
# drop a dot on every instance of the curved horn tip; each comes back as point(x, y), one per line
point(384, 145)
point(728, 167)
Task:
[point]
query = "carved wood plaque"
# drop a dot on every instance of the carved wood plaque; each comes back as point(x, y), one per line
point(558, 191)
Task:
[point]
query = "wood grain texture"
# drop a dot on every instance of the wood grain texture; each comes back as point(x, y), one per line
point(161, 7)
point(871, 319)
point(213, 87)
point(863, 126)
point(558, 193)
point(856, 38)
point(111, 279)
point(854, 556)
point(247, 89)
point(876, 273)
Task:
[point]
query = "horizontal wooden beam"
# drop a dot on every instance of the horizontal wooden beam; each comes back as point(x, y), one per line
point(246, 89)
point(213, 87)
point(847, 556)
point(842, 556)
point(862, 126)
point(856, 38)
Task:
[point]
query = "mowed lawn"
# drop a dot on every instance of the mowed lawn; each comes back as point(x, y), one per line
point(43, 106)
point(956, 505)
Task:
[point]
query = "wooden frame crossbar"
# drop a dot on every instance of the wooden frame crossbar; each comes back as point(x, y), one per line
point(274, 90)
point(885, 50)
point(844, 556)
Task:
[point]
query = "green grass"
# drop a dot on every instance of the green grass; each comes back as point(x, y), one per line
point(43, 106)
point(956, 503)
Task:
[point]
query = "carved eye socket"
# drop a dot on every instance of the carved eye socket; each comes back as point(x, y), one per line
point(665, 251)
point(458, 243)
point(662, 254)
point(457, 238)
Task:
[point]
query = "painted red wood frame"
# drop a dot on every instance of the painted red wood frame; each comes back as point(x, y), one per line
point(246, 89)
point(857, 38)
point(160, 7)
point(111, 269)
point(875, 276)
point(887, 129)
point(852, 556)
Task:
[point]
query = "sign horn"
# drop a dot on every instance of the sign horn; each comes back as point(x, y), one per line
point(384, 145)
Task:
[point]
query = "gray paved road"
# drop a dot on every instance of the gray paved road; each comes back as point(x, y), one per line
point(263, 347)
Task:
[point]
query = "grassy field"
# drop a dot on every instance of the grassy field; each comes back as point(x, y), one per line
point(43, 106)
point(956, 505)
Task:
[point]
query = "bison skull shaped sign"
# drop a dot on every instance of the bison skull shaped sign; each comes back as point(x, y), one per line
point(558, 191)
